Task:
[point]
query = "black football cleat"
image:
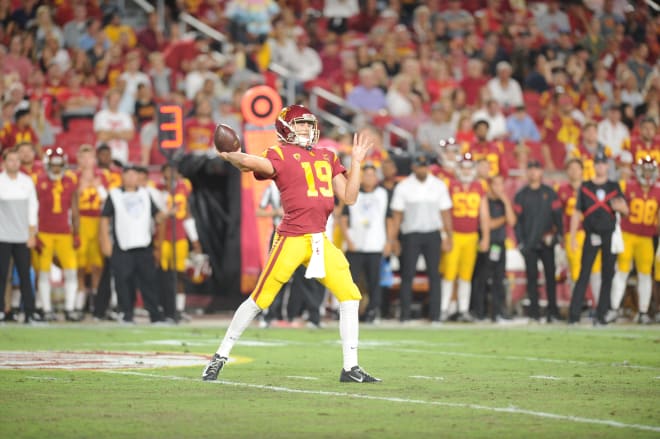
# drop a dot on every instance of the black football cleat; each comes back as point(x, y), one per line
point(357, 375)
point(214, 367)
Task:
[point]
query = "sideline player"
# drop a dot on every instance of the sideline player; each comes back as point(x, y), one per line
point(638, 229)
point(308, 179)
point(184, 226)
point(92, 192)
point(57, 191)
point(469, 214)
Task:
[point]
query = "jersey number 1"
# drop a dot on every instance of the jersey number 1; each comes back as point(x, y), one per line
point(321, 174)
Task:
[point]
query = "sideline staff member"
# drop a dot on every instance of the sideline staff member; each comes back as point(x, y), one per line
point(18, 229)
point(131, 256)
point(597, 201)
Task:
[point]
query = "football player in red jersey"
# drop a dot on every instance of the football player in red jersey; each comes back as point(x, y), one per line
point(92, 192)
point(588, 148)
point(469, 214)
point(57, 191)
point(182, 226)
point(449, 153)
point(646, 143)
point(638, 229)
point(104, 162)
point(308, 180)
point(567, 193)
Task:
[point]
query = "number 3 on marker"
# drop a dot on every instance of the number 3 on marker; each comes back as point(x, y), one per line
point(322, 174)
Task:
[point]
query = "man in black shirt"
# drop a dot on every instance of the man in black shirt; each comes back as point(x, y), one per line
point(597, 201)
point(539, 224)
point(491, 264)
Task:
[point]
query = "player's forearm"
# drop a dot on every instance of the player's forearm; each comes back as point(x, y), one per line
point(395, 226)
point(353, 184)
point(104, 232)
point(250, 163)
point(448, 225)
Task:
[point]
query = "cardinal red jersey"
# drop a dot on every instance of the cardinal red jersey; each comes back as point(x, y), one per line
point(36, 170)
point(488, 151)
point(198, 135)
point(442, 173)
point(567, 196)
point(55, 201)
point(467, 203)
point(15, 135)
point(643, 217)
point(639, 149)
point(89, 199)
point(182, 191)
point(304, 179)
point(112, 177)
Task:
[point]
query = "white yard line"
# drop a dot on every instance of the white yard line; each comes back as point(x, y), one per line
point(545, 377)
point(422, 377)
point(478, 407)
point(296, 377)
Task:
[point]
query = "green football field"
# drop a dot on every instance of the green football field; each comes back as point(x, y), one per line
point(91, 381)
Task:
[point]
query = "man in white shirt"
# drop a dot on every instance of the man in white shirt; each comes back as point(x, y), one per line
point(503, 88)
point(364, 225)
point(421, 209)
point(18, 229)
point(613, 132)
point(114, 127)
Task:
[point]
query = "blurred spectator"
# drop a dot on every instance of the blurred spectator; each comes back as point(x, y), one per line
point(421, 24)
point(15, 61)
point(630, 91)
point(337, 12)
point(539, 76)
point(611, 131)
point(54, 53)
point(151, 38)
point(474, 81)
point(76, 27)
point(145, 106)
point(504, 89)
point(587, 149)
point(497, 124)
point(367, 97)
point(608, 17)
point(602, 82)
point(25, 13)
point(132, 78)
point(520, 126)
point(161, 75)
point(457, 18)
point(40, 124)
point(114, 127)
point(76, 101)
point(93, 40)
point(438, 127)
point(594, 40)
point(440, 82)
point(119, 33)
point(624, 163)
point(21, 130)
point(303, 63)
point(45, 27)
point(200, 70)
point(553, 21)
point(281, 43)
point(250, 23)
point(180, 54)
point(401, 99)
point(29, 164)
point(646, 143)
point(198, 130)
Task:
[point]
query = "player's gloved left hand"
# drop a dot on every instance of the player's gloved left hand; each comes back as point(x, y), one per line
point(38, 245)
point(76, 242)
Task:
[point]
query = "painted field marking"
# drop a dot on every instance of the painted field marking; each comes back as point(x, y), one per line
point(43, 378)
point(545, 377)
point(519, 358)
point(422, 377)
point(512, 409)
point(296, 377)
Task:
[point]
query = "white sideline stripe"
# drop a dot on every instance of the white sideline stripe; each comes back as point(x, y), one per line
point(422, 377)
point(511, 409)
point(296, 377)
point(545, 377)
point(516, 358)
point(43, 378)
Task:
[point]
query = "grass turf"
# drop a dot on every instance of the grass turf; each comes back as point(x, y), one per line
point(459, 381)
